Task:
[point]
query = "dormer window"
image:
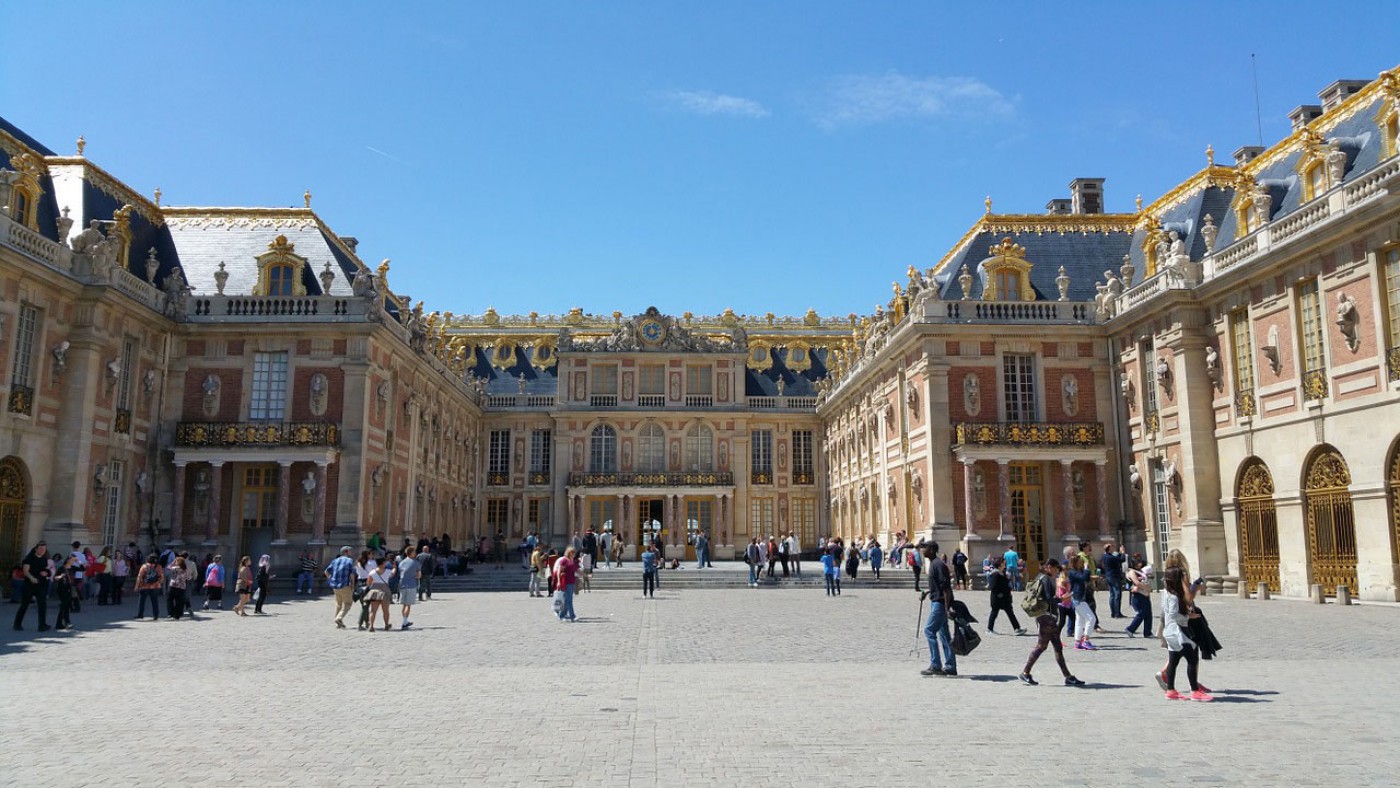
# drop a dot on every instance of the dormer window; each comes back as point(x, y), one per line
point(1316, 180)
point(279, 280)
point(1009, 285)
point(24, 190)
point(1008, 273)
point(280, 269)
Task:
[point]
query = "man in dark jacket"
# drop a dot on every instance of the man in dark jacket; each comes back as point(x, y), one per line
point(940, 596)
point(1111, 567)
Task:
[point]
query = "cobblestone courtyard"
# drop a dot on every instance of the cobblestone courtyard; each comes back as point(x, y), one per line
point(739, 687)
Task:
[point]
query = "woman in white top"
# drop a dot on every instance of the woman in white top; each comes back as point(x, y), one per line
point(1176, 613)
point(377, 578)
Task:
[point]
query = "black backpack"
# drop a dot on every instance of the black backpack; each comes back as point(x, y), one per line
point(151, 575)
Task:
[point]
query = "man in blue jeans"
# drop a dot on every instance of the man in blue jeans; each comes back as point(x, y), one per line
point(1111, 567)
point(751, 558)
point(939, 593)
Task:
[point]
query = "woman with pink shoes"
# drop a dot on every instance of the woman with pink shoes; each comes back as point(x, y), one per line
point(1177, 612)
point(1079, 579)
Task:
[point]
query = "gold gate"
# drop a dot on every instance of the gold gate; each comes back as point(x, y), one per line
point(1331, 527)
point(1258, 526)
point(14, 496)
point(1395, 505)
point(1028, 512)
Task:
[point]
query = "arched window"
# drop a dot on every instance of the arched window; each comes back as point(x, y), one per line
point(651, 449)
point(602, 450)
point(279, 280)
point(699, 448)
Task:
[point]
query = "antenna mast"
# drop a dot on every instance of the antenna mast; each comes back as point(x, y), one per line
point(1258, 118)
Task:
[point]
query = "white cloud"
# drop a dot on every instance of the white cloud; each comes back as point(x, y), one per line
point(705, 102)
point(863, 99)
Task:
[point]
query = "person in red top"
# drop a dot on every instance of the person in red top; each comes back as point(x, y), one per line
point(149, 579)
point(566, 574)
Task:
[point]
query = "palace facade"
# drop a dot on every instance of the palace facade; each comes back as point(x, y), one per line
point(1217, 371)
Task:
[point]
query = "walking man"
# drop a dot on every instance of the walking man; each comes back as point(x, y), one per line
point(1013, 567)
point(940, 596)
point(427, 568)
point(409, 571)
point(1048, 625)
point(751, 555)
point(1111, 566)
point(794, 553)
point(36, 586)
point(702, 550)
point(340, 576)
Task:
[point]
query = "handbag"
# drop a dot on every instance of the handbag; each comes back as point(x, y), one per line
point(965, 638)
point(558, 603)
point(358, 593)
point(257, 595)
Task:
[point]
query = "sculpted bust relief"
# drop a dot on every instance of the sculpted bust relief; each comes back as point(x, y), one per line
point(972, 395)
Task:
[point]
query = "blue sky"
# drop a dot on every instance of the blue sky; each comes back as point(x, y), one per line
point(762, 156)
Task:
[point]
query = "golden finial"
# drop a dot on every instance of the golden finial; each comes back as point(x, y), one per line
point(988, 202)
point(157, 196)
point(1139, 203)
point(307, 198)
point(1210, 156)
point(82, 143)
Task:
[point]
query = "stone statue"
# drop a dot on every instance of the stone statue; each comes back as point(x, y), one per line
point(148, 381)
point(965, 279)
point(1336, 163)
point(972, 395)
point(911, 397)
point(1163, 370)
point(1134, 478)
point(1178, 246)
point(85, 241)
point(376, 477)
point(781, 385)
point(1263, 203)
point(1213, 367)
point(1347, 319)
point(1107, 297)
point(327, 277)
point(65, 223)
point(1062, 284)
point(979, 492)
point(152, 266)
point(1163, 249)
point(319, 390)
point(308, 497)
point(211, 388)
point(520, 383)
point(175, 282)
point(143, 482)
point(60, 357)
point(1208, 232)
point(363, 284)
point(202, 485)
point(1069, 394)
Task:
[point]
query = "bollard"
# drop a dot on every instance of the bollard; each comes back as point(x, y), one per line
point(1263, 592)
point(1317, 595)
point(1343, 595)
point(1242, 590)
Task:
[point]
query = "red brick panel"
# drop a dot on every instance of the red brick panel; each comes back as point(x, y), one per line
point(230, 394)
point(987, 394)
point(301, 394)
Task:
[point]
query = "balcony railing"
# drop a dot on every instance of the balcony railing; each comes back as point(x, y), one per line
point(539, 477)
point(21, 400)
point(1315, 384)
point(497, 479)
point(260, 308)
point(602, 401)
point(1018, 311)
point(783, 403)
point(1017, 433)
point(533, 401)
point(651, 400)
point(804, 477)
point(761, 477)
point(653, 479)
point(209, 434)
point(123, 422)
point(699, 401)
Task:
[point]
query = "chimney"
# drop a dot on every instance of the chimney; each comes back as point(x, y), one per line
point(1059, 206)
point(1086, 195)
point(350, 241)
point(1303, 114)
point(1339, 91)
point(1247, 154)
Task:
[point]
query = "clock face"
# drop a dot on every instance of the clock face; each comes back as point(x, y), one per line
point(652, 331)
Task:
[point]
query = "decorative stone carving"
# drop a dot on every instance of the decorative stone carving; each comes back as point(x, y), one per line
point(143, 482)
point(1347, 318)
point(327, 277)
point(320, 390)
point(376, 477)
point(211, 387)
point(1336, 164)
point(891, 489)
point(152, 265)
point(1127, 270)
point(202, 485)
point(1213, 367)
point(979, 492)
point(911, 397)
point(782, 384)
point(114, 370)
point(1076, 486)
point(972, 394)
point(1208, 232)
point(87, 240)
point(60, 357)
point(1134, 478)
point(520, 383)
point(1270, 350)
point(1107, 298)
point(965, 279)
point(65, 223)
point(363, 284)
point(148, 382)
point(1069, 394)
point(916, 486)
point(1263, 203)
point(1162, 370)
point(1062, 284)
point(1125, 386)
point(308, 496)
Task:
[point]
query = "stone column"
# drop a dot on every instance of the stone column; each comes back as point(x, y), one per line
point(1068, 528)
point(620, 518)
point(216, 497)
point(284, 497)
point(177, 513)
point(318, 522)
point(1004, 486)
point(969, 508)
point(1101, 476)
point(1375, 562)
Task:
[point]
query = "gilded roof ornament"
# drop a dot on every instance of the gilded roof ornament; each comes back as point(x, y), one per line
point(157, 196)
point(988, 202)
point(1007, 249)
point(1138, 201)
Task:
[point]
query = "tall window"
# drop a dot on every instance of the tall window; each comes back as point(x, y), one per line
point(604, 394)
point(279, 280)
point(1242, 348)
point(1161, 509)
point(602, 450)
point(112, 511)
point(761, 516)
point(497, 514)
point(802, 472)
point(269, 387)
point(602, 514)
point(699, 448)
point(804, 520)
point(651, 385)
point(124, 379)
point(651, 449)
point(540, 447)
point(1310, 322)
point(699, 380)
point(1390, 271)
point(22, 375)
point(498, 457)
point(1018, 386)
point(761, 456)
point(536, 514)
point(1149, 377)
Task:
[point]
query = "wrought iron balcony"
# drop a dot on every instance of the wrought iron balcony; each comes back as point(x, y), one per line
point(208, 434)
point(497, 479)
point(1018, 433)
point(804, 477)
point(123, 421)
point(653, 479)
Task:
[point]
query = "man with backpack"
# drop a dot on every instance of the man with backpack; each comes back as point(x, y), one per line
point(1039, 603)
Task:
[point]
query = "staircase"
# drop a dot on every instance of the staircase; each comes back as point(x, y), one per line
point(629, 578)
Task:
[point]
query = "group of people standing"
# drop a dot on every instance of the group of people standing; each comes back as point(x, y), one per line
point(377, 582)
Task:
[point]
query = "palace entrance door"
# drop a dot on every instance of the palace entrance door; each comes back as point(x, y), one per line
point(14, 493)
point(651, 513)
point(1028, 513)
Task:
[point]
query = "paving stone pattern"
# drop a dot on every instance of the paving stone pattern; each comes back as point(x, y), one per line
point(740, 687)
